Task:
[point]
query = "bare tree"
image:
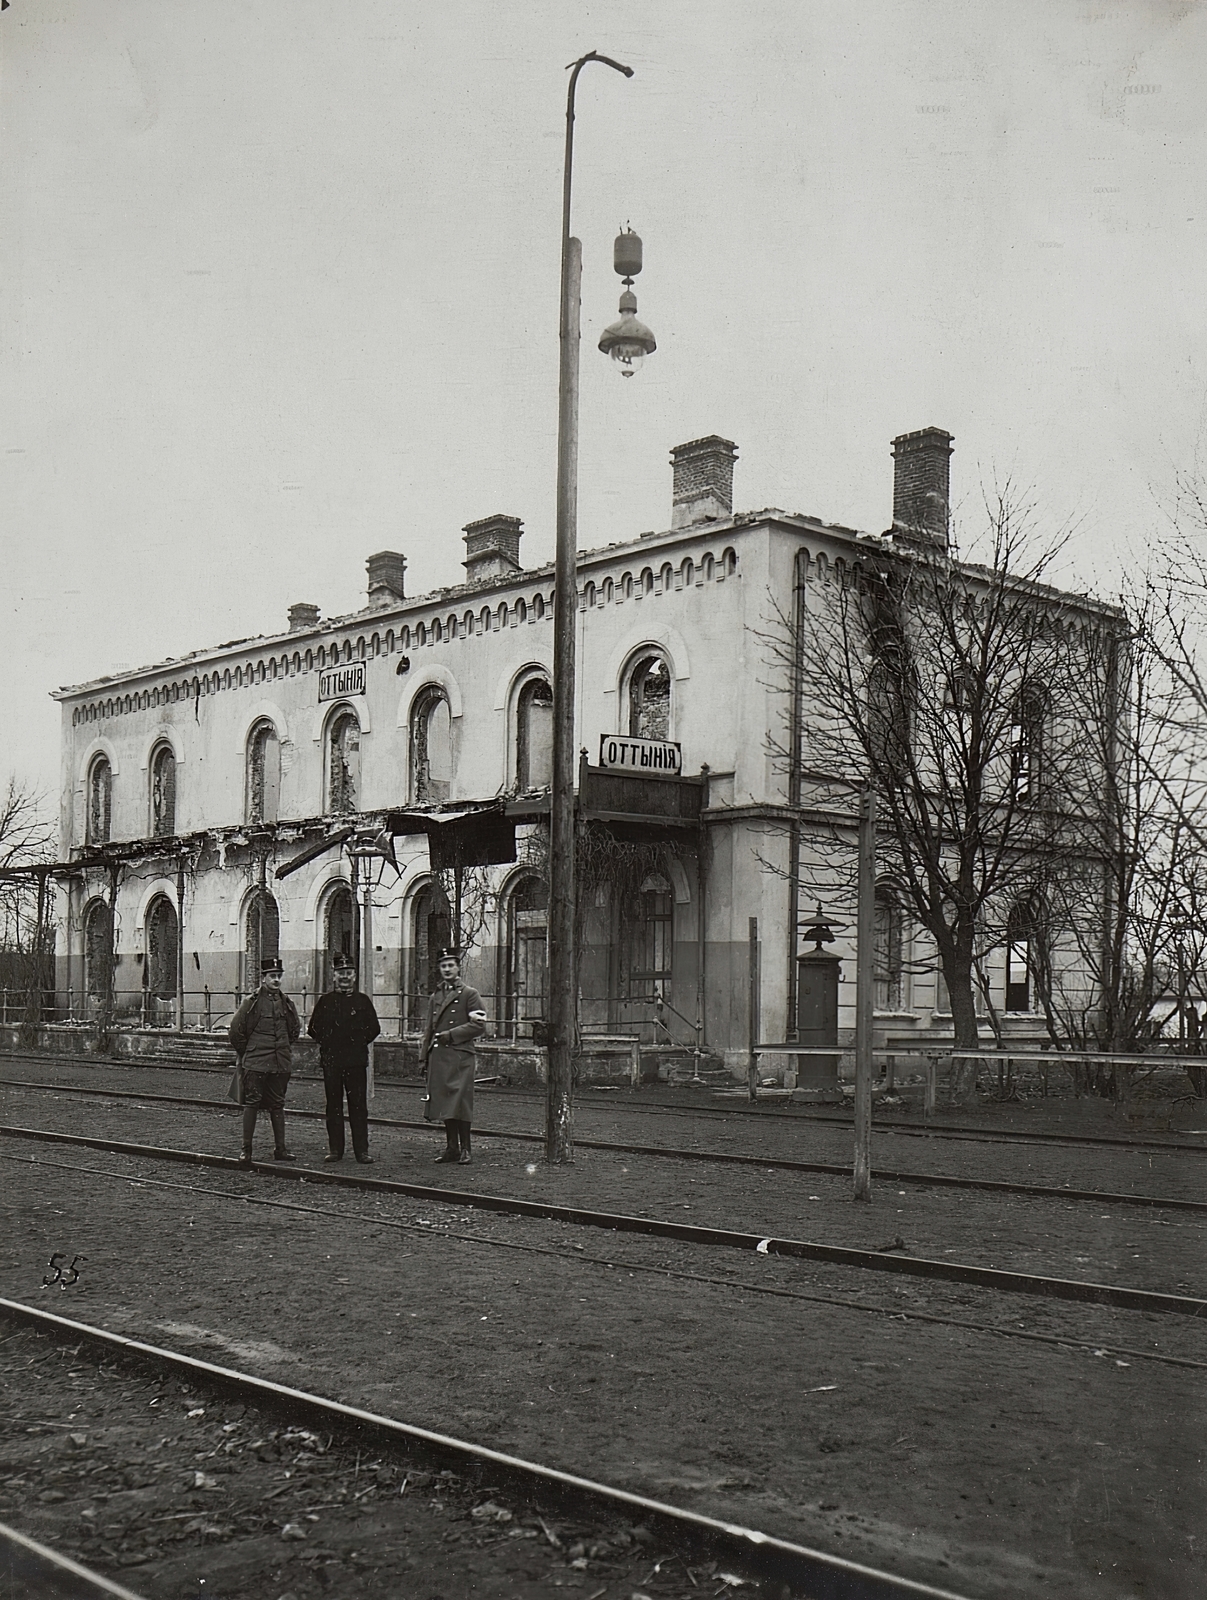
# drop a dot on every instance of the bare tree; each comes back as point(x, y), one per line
point(1128, 889)
point(944, 684)
point(27, 839)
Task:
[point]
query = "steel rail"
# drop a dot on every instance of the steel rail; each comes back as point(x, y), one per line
point(36, 1572)
point(937, 1180)
point(785, 1113)
point(422, 1230)
point(828, 1577)
point(619, 1222)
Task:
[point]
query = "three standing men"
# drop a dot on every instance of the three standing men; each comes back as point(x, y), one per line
point(455, 1018)
point(345, 1025)
point(262, 1032)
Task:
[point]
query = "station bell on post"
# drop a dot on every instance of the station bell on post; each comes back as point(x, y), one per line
point(817, 1012)
point(627, 341)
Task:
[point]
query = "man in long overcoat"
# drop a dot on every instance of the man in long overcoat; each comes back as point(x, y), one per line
point(455, 1018)
point(262, 1032)
point(345, 1024)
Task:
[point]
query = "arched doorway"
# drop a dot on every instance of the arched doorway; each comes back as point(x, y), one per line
point(262, 940)
point(159, 968)
point(526, 958)
point(339, 931)
point(98, 951)
point(431, 928)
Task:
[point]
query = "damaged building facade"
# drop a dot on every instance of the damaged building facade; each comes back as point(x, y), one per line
point(364, 783)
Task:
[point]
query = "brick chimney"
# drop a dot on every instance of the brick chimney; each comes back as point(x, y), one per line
point(386, 570)
point(303, 615)
point(703, 481)
point(921, 487)
point(492, 548)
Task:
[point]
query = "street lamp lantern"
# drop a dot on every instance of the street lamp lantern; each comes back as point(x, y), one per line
point(627, 341)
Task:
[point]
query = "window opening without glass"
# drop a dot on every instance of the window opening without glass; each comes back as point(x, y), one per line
point(431, 748)
point(163, 793)
point(100, 801)
point(343, 765)
point(650, 699)
point(534, 736)
point(263, 774)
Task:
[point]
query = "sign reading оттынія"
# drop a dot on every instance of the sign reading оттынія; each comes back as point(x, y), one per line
point(651, 758)
point(339, 681)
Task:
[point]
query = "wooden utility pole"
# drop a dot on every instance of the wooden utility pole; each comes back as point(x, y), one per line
point(864, 983)
point(563, 955)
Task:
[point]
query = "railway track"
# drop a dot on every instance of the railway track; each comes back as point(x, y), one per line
point(33, 1571)
point(587, 1099)
point(785, 1113)
point(721, 1158)
point(579, 1258)
point(617, 1222)
point(755, 1554)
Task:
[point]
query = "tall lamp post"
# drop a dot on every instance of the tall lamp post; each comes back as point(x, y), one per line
point(629, 341)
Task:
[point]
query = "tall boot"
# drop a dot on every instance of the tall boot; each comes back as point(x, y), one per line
point(249, 1130)
point(277, 1118)
point(452, 1144)
point(466, 1155)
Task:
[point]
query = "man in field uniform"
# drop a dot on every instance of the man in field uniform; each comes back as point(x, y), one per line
point(455, 1018)
point(345, 1024)
point(262, 1032)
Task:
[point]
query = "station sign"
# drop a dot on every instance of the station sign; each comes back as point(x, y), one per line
point(651, 758)
point(336, 682)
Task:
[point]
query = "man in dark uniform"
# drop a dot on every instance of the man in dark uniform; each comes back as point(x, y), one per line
point(345, 1025)
point(455, 1018)
point(262, 1032)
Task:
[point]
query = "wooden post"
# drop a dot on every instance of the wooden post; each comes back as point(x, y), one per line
point(563, 956)
point(752, 1064)
point(864, 979)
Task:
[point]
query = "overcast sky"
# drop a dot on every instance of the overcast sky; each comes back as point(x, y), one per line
point(279, 286)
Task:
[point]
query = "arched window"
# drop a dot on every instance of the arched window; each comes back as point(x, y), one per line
point(263, 774)
point(526, 983)
point(887, 965)
point(263, 934)
point(647, 939)
point(339, 931)
point(98, 949)
point(1024, 956)
point(163, 793)
point(650, 698)
point(1027, 743)
point(431, 931)
point(100, 801)
point(431, 748)
point(162, 936)
point(534, 736)
point(890, 712)
point(343, 764)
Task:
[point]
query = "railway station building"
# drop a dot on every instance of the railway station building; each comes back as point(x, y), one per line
point(365, 783)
